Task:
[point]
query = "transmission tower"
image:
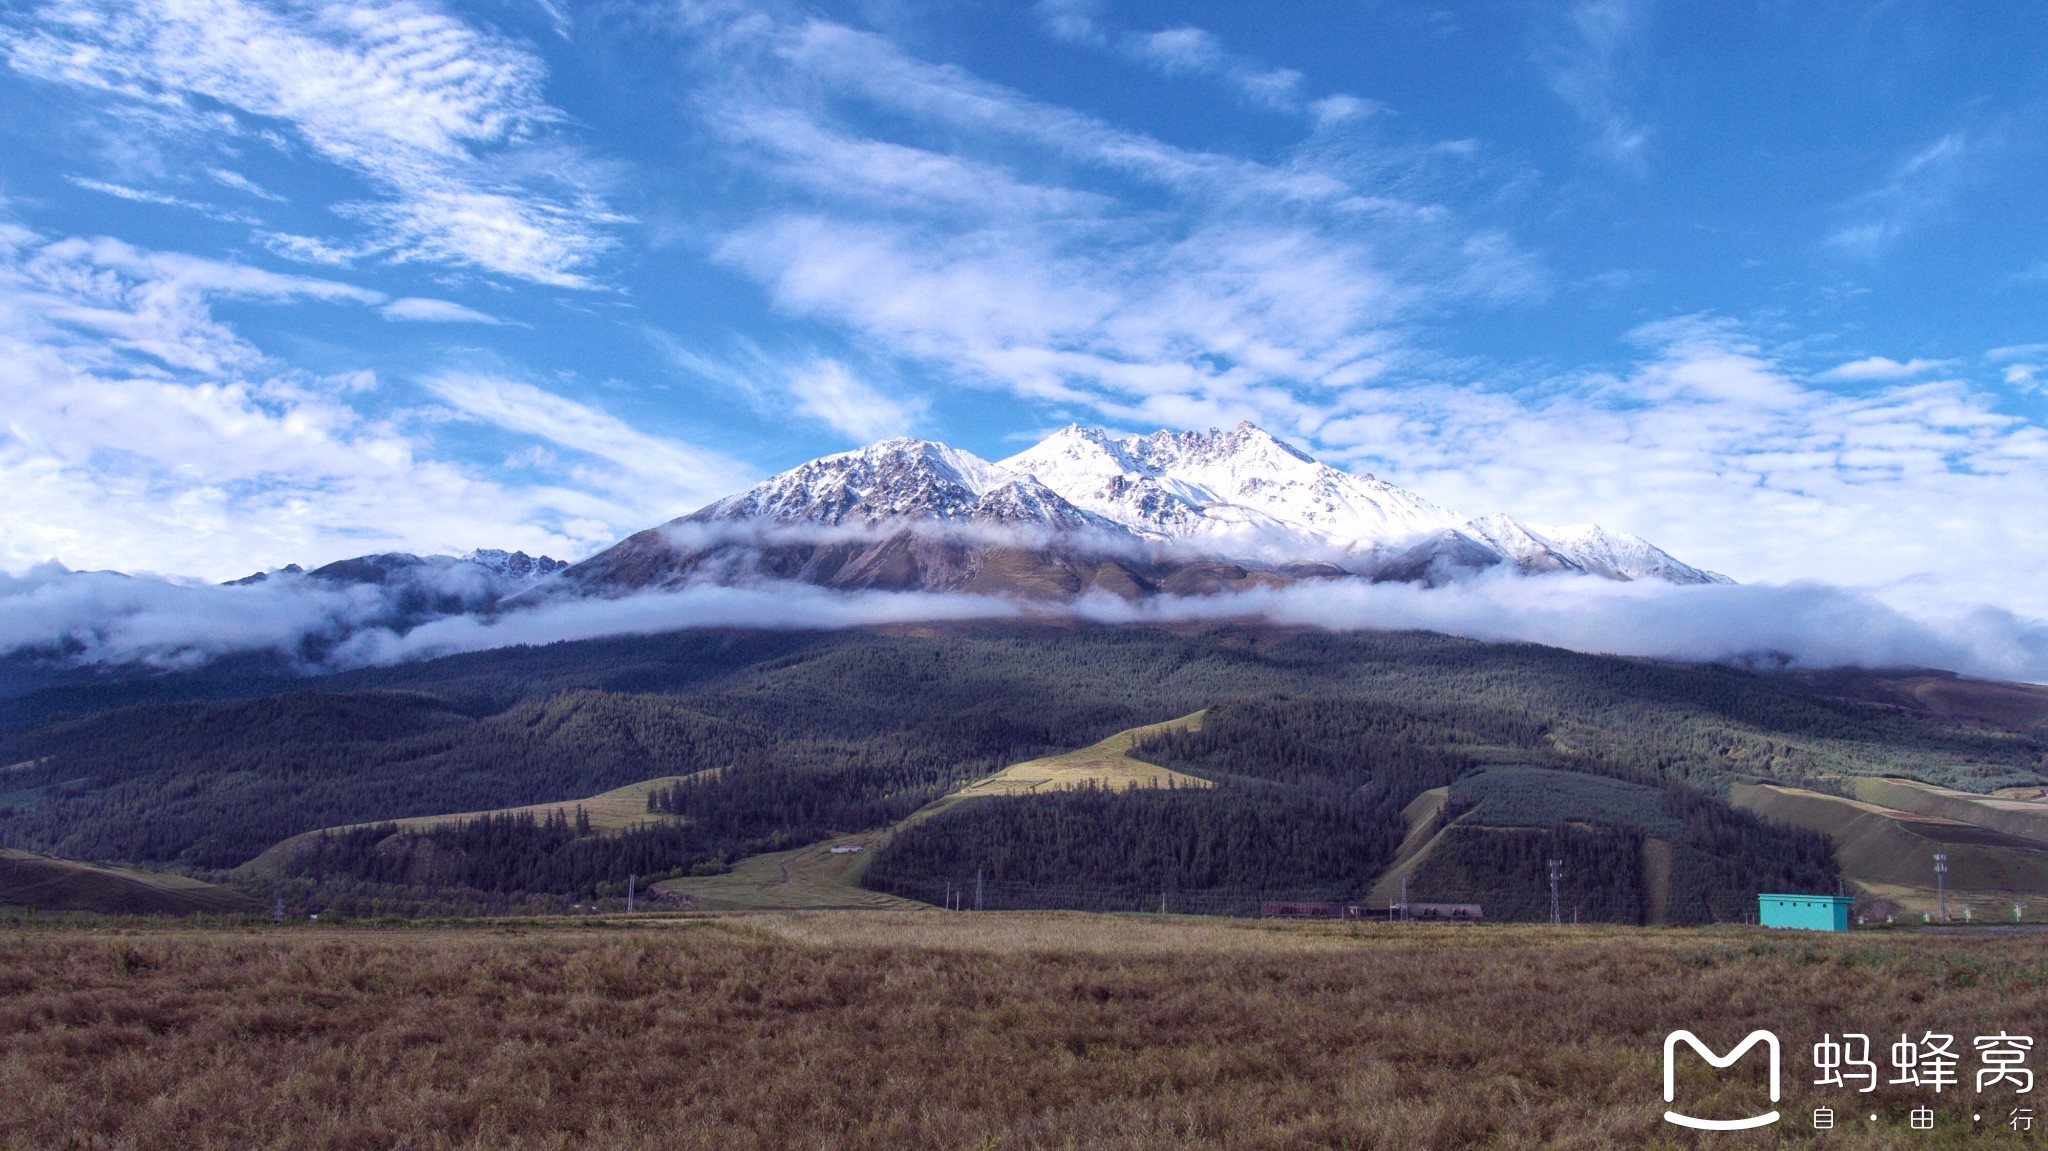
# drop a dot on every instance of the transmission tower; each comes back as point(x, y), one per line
point(1941, 885)
point(977, 889)
point(1556, 873)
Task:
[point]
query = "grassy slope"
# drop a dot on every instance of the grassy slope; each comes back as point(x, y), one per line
point(1888, 852)
point(813, 877)
point(46, 884)
point(614, 810)
point(1558, 796)
point(924, 1031)
point(1419, 812)
point(1105, 764)
point(807, 877)
point(2027, 819)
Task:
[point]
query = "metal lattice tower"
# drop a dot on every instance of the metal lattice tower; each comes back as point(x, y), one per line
point(1556, 873)
point(1941, 885)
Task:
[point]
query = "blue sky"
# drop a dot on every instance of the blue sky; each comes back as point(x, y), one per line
point(291, 282)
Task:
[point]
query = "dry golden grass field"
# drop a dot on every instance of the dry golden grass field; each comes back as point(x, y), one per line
point(614, 810)
point(893, 1031)
point(1105, 764)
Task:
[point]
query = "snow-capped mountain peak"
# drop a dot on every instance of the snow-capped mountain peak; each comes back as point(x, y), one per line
point(1238, 500)
point(884, 481)
point(1243, 490)
point(1623, 555)
point(1587, 548)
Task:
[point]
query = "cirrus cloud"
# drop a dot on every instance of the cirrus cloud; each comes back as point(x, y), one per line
point(436, 115)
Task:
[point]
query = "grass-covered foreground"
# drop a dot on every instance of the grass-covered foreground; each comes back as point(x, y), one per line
point(888, 1031)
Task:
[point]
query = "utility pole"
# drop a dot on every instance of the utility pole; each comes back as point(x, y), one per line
point(1404, 899)
point(1941, 885)
point(631, 880)
point(1556, 873)
point(977, 889)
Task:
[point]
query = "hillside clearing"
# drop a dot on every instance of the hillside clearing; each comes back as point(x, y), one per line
point(1888, 853)
point(614, 810)
point(1108, 763)
point(807, 877)
point(2014, 815)
point(1421, 814)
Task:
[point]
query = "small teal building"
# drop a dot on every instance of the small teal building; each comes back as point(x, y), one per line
point(1806, 912)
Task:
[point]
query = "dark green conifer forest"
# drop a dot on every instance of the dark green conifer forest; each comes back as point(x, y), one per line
point(1308, 804)
point(1317, 742)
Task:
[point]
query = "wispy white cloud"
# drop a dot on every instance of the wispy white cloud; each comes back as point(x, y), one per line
point(155, 303)
point(1593, 63)
point(1883, 368)
point(312, 250)
point(142, 433)
point(1918, 188)
point(1340, 108)
point(850, 62)
point(2017, 352)
point(437, 115)
point(1295, 306)
point(1074, 21)
point(1261, 278)
point(142, 196)
point(2024, 364)
point(423, 310)
point(1178, 51)
point(106, 469)
point(243, 184)
point(828, 392)
point(663, 477)
point(1726, 457)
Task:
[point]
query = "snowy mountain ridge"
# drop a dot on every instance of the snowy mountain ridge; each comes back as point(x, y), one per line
point(1239, 495)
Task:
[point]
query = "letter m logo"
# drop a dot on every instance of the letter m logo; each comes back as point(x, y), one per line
point(1671, 1043)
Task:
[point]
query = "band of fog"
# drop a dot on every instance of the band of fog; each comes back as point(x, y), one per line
point(98, 617)
point(1248, 539)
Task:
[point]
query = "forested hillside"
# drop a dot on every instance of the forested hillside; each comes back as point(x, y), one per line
point(816, 733)
point(1309, 802)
